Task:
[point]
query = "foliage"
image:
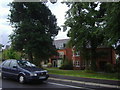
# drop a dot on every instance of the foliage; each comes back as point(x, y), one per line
point(11, 54)
point(49, 65)
point(35, 27)
point(1, 51)
point(109, 68)
point(1, 46)
point(113, 22)
point(86, 25)
point(102, 54)
point(112, 29)
point(67, 65)
point(86, 57)
point(117, 66)
point(113, 25)
point(0, 56)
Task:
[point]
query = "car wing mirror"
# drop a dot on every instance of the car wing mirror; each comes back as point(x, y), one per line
point(14, 66)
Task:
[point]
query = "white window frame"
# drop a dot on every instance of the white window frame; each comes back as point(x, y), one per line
point(76, 63)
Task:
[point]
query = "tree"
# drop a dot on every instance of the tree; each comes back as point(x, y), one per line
point(1, 47)
point(0, 51)
point(112, 29)
point(11, 54)
point(86, 27)
point(35, 28)
point(113, 25)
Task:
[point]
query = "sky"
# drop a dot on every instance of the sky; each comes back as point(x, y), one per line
point(57, 9)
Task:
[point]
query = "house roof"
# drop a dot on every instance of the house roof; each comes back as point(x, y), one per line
point(59, 44)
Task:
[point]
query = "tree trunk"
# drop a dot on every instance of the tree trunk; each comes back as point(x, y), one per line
point(30, 57)
point(87, 65)
point(93, 59)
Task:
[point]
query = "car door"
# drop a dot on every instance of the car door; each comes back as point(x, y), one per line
point(6, 68)
point(14, 69)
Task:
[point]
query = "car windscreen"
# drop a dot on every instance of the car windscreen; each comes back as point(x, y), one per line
point(24, 63)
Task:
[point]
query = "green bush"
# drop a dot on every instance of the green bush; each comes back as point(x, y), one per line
point(67, 65)
point(49, 65)
point(109, 68)
point(117, 67)
point(11, 54)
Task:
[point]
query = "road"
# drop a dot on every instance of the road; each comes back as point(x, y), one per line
point(59, 82)
point(7, 83)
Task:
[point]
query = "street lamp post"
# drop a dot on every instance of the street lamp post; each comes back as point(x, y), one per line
point(2, 53)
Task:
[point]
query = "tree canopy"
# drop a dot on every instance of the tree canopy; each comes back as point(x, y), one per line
point(86, 26)
point(35, 28)
point(112, 28)
point(1, 46)
point(93, 24)
point(11, 54)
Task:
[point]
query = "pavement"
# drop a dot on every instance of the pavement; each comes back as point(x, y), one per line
point(77, 82)
point(87, 81)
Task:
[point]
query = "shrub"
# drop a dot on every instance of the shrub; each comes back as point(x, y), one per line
point(67, 65)
point(109, 68)
point(11, 54)
point(49, 65)
point(117, 67)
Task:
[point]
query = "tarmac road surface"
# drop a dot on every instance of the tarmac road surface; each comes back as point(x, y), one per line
point(12, 84)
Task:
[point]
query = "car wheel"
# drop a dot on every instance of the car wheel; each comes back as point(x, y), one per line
point(3, 77)
point(21, 79)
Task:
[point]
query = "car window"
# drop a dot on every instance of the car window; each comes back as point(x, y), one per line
point(24, 63)
point(3, 63)
point(7, 63)
point(13, 63)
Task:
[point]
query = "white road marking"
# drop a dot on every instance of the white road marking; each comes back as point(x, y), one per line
point(69, 86)
point(87, 83)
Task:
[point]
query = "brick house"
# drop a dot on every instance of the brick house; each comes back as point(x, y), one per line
point(106, 55)
point(62, 51)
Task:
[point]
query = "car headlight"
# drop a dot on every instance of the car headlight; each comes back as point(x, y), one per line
point(33, 74)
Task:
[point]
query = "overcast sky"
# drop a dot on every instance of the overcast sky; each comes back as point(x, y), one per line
point(57, 9)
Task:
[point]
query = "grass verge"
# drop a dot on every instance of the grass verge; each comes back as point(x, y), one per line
point(83, 73)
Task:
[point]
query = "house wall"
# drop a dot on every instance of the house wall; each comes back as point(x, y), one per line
point(108, 55)
point(107, 58)
point(113, 57)
point(69, 53)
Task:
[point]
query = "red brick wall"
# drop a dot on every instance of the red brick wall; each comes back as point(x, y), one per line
point(108, 58)
point(69, 53)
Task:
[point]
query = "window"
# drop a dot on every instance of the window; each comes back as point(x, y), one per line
point(13, 63)
point(61, 54)
point(64, 45)
point(7, 63)
point(24, 63)
point(76, 63)
point(3, 63)
point(76, 53)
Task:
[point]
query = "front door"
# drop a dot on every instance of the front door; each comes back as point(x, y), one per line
point(14, 71)
point(6, 69)
point(54, 63)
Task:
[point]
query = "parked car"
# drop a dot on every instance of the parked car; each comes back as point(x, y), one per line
point(23, 71)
